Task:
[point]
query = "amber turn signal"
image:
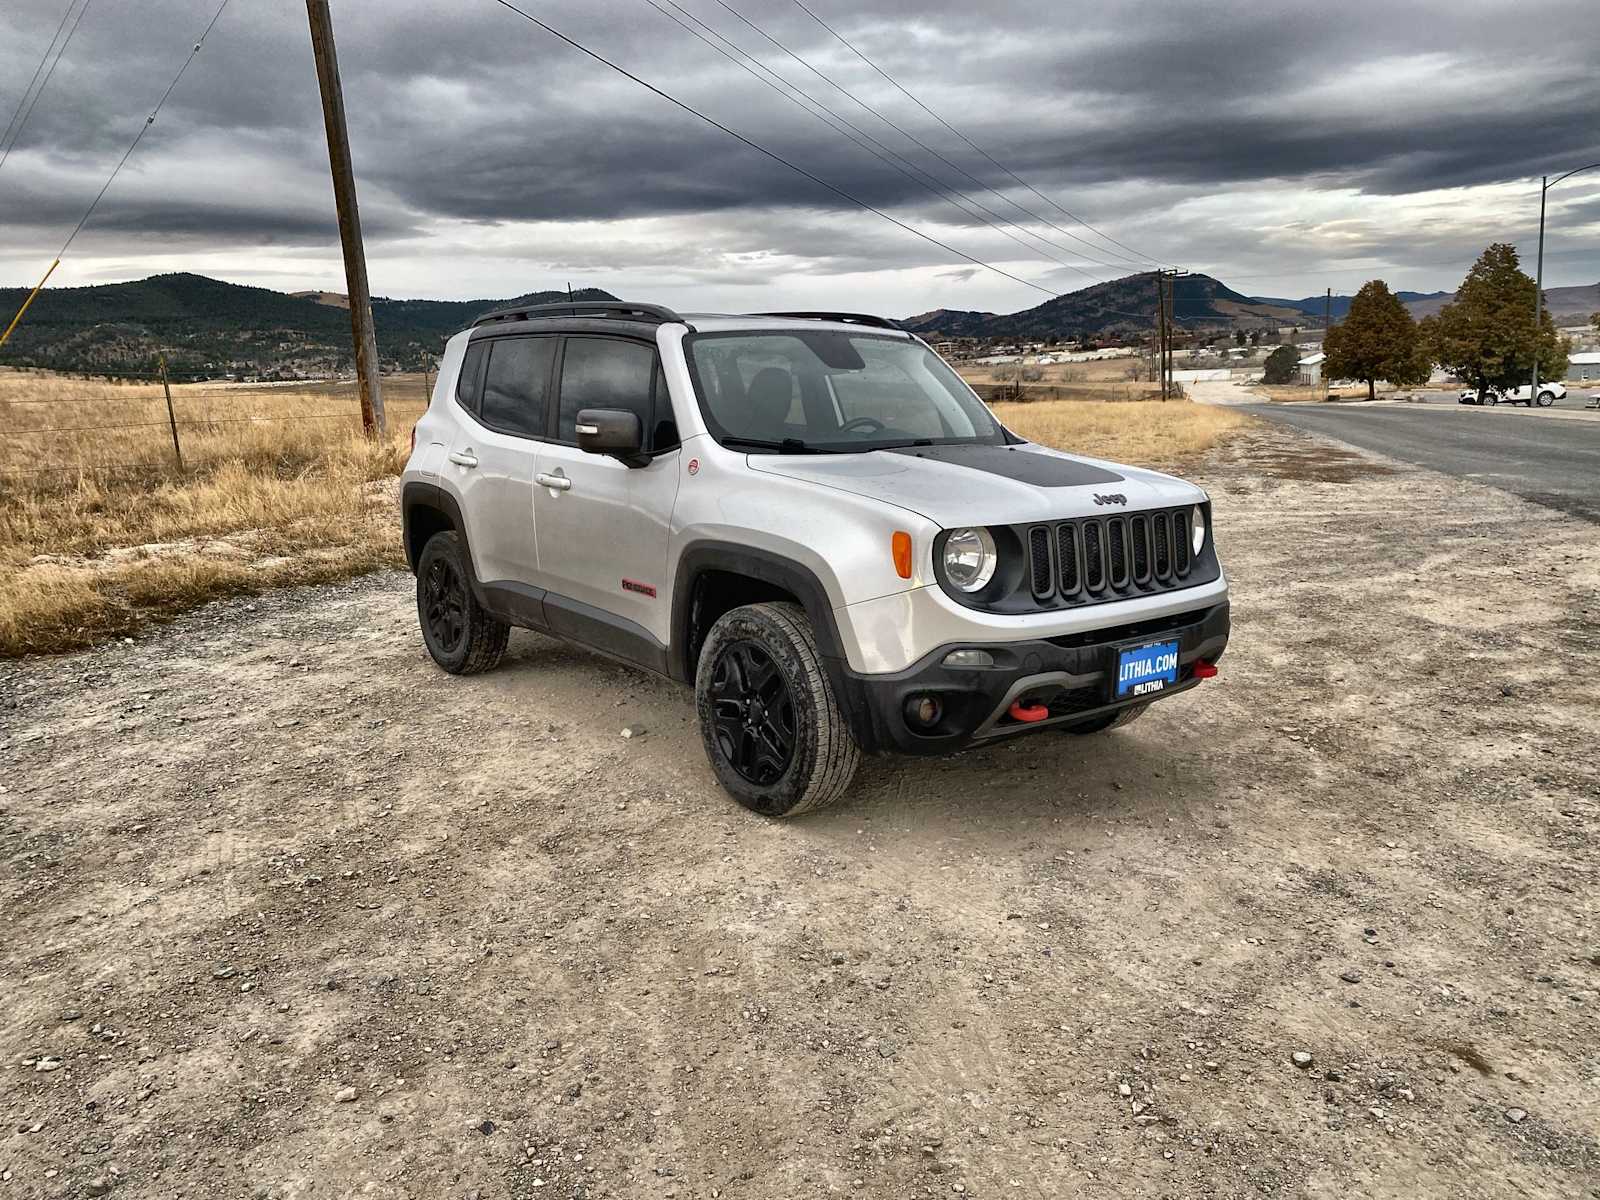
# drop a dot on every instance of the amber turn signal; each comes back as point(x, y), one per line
point(901, 544)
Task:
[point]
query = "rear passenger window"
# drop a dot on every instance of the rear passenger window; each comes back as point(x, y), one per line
point(606, 373)
point(467, 383)
point(516, 386)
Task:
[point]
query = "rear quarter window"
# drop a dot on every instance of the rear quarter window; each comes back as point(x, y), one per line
point(469, 382)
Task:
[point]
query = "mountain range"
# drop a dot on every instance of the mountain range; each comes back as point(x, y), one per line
point(207, 327)
point(1127, 306)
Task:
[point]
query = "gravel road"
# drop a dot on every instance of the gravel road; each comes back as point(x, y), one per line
point(289, 913)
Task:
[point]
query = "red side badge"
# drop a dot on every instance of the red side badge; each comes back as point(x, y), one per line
point(694, 466)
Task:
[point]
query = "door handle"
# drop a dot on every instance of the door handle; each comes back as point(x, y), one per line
point(558, 481)
point(463, 458)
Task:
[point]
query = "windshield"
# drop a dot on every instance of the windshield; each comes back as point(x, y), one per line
point(833, 392)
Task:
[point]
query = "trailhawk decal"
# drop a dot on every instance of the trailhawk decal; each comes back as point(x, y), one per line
point(644, 589)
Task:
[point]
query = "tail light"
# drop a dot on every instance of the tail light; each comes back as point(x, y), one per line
point(413, 439)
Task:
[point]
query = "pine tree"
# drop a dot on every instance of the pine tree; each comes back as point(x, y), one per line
point(1486, 336)
point(1376, 340)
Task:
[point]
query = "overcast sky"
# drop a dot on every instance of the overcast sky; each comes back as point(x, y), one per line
point(1283, 150)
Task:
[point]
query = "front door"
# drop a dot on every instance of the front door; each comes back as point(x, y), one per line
point(603, 525)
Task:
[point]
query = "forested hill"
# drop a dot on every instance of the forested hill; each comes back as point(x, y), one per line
point(208, 327)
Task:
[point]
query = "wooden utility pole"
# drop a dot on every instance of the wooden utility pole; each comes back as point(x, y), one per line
point(344, 197)
point(1161, 329)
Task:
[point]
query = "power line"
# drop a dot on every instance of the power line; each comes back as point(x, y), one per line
point(1139, 263)
point(750, 65)
point(148, 121)
point(1001, 166)
point(43, 58)
point(760, 149)
point(14, 131)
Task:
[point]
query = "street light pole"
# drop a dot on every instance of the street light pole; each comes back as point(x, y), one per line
point(1545, 184)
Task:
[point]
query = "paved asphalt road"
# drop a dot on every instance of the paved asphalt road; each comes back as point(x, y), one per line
point(1550, 460)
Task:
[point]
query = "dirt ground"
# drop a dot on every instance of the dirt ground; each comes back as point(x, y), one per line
point(290, 913)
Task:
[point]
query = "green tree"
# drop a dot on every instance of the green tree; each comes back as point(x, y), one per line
point(1376, 340)
point(1283, 366)
point(1486, 336)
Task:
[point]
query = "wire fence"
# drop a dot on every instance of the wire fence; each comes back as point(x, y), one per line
point(94, 435)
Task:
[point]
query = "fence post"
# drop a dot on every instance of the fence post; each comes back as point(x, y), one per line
point(172, 420)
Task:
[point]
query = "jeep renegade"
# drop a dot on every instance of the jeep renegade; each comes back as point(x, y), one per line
point(811, 519)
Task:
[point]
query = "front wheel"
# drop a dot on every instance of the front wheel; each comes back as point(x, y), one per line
point(1546, 399)
point(770, 722)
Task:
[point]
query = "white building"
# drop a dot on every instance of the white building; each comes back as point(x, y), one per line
point(1311, 367)
point(1584, 367)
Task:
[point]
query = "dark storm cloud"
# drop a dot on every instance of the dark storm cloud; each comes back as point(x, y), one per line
point(465, 112)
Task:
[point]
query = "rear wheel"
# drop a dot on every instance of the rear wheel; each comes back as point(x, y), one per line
point(460, 636)
point(1110, 720)
point(768, 717)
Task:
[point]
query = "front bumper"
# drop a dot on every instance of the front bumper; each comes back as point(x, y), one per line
point(1070, 674)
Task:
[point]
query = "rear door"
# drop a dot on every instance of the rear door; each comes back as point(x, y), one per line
point(602, 525)
point(504, 389)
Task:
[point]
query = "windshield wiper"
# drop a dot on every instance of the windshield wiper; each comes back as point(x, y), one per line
point(786, 446)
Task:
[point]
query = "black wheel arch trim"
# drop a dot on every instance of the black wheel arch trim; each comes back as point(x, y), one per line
point(768, 567)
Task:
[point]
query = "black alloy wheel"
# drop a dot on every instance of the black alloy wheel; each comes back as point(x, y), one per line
point(444, 605)
point(752, 713)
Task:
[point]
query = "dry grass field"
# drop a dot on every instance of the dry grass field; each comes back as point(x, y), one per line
point(100, 531)
point(1141, 433)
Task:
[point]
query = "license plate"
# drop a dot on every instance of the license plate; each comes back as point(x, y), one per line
point(1144, 670)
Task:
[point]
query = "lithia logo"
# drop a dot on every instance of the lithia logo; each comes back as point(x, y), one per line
point(1110, 498)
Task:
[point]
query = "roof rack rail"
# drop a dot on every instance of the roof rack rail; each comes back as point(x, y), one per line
point(616, 310)
point(844, 317)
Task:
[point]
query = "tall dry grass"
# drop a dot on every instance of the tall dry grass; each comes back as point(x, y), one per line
point(1141, 433)
point(100, 530)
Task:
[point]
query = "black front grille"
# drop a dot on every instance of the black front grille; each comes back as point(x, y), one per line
point(1039, 560)
point(1094, 562)
point(1117, 542)
point(1095, 559)
point(1141, 548)
point(1067, 556)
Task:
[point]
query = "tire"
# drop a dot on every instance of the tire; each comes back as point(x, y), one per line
point(1492, 401)
point(461, 637)
point(1546, 399)
point(1107, 721)
point(770, 722)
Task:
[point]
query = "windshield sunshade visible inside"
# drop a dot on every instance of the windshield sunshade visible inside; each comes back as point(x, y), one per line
point(823, 390)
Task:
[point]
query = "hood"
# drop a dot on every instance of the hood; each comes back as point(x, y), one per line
point(985, 485)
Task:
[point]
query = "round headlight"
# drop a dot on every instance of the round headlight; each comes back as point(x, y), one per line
point(969, 559)
point(1197, 522)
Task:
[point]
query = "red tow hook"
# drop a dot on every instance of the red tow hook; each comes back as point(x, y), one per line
point(1028, 712)
point(1204, 670)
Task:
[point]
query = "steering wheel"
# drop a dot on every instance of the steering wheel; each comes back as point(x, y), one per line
point(863, 423)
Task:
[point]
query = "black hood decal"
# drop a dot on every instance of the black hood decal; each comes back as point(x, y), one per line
point(1015, 462)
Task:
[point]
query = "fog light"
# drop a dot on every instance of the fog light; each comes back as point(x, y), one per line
point(969, 658)
point(924, 710)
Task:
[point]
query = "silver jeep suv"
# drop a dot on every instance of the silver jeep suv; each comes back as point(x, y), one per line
point(810, 518)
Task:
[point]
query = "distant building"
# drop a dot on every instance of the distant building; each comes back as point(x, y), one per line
point(1584, 367)
point(1311, 368)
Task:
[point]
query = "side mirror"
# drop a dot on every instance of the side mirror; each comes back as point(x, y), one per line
point(613, 431)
